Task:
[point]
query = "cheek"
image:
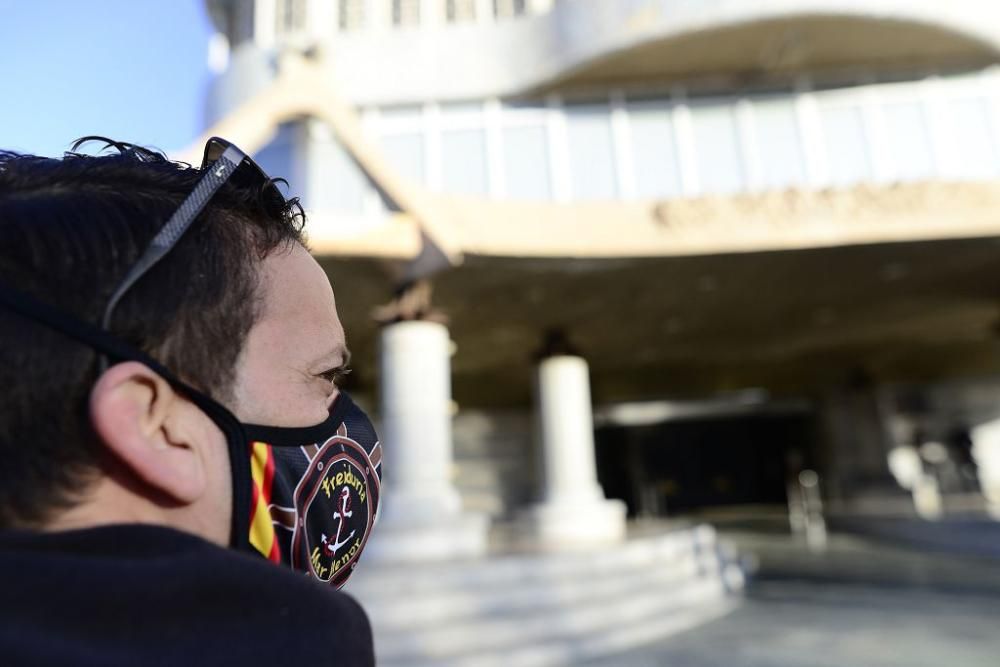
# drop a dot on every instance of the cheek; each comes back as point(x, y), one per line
point(246, 383)
point(269, 389)
point(289, 400)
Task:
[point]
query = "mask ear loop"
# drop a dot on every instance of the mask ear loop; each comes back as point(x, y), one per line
point(214, 177)
point(110, 347)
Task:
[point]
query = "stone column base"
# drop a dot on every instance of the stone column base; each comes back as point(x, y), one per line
point(458, 537)
point(573, 525)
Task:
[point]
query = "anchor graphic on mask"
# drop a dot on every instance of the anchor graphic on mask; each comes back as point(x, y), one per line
point(343, 512)
point(312, 542)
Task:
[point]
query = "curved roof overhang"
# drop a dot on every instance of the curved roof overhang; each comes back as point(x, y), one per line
point(777, 47)
point(663, 40)
point(583, 44)
point(587, 44)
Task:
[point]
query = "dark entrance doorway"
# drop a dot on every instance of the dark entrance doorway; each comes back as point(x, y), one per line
point(683, 466)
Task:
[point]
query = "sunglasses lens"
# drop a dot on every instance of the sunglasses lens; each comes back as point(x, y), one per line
point(213, 151)
point(248, 174)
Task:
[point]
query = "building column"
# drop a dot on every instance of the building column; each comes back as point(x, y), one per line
point(421, 515)
point(378, 14)
point(573, 510)
point(986, 452)
point(854, 456)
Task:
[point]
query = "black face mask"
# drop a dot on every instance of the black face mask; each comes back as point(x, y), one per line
point(315, 491)
point(306, 497)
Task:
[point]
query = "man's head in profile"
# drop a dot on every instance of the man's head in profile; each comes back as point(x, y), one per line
point(170, 310)
point(238, 309)
point(169, 357)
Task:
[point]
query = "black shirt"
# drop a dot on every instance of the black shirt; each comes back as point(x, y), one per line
point(145, 595)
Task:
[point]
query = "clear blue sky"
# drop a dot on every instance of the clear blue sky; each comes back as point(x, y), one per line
point(133, 70)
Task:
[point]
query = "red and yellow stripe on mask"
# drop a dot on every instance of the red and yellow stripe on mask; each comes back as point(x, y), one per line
point(262, 535)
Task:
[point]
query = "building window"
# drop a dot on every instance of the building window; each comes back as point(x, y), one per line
point(278, 158)
point(230, 25)
point(654, 150)
point(526, 162)
point(908, 141)
point(406, 12)
point(236, 23)
point(463, 162)
point(717, 147)
point(350, 14)
point(405, 152)
point(779, 142)
point(290, 16)
point(847, 154)
point(980, 157)
point(508, 8)
point(591, 152)
point(461, 10)
point(336, 182)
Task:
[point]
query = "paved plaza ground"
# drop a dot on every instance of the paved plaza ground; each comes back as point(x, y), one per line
point(860, 604)
point(820, 625)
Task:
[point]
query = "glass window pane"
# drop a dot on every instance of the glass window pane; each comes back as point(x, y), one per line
point(846, 148)
point(504, 8)
point(336, 182)
point(350, 14)
point(277, 159)
point(461, 109)
point(654, 151)
point(716, 141)
point(526, 162)
point(463, 155)
point(404, 113)
point(908, 141)
point(591, 152)
point(460, 10)
point(779, 143)
point(290, 16)
point(978, 156)
point(405, 152)
point(405, 12)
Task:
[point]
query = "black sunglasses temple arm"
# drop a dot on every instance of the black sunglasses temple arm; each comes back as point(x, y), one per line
point(216, 174)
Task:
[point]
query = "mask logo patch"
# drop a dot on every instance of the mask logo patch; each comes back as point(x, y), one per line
point(335, 508)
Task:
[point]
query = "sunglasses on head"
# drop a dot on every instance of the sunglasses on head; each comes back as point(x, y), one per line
point(222, 162)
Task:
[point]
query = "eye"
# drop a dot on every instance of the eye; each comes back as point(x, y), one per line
point(335, 375)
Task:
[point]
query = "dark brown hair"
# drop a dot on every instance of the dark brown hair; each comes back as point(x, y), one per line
point(69, 231)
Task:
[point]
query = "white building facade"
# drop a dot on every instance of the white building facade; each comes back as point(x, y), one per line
point(571, 105)
point(679, 250)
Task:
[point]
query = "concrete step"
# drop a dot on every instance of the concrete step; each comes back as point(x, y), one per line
point(545, 608)
point(531, 599)
point(388, 581)
point(576, 631)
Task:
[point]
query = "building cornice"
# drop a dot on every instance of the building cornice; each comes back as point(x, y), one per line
point(789, 220)
point(580, 40)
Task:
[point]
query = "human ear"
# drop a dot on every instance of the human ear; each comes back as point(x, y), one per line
point(150, 430)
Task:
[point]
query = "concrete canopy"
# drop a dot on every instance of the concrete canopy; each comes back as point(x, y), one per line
point(780, 46)
point(690, 326)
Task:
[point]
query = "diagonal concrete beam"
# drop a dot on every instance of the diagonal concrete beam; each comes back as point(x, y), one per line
point(302, 89)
